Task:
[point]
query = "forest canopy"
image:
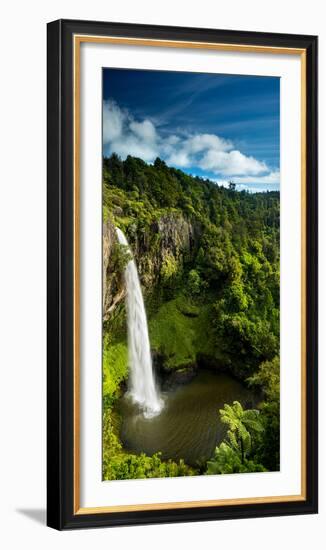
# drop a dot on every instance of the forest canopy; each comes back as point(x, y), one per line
point(208, 258)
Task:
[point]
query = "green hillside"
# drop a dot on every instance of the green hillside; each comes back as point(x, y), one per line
point(208, 261)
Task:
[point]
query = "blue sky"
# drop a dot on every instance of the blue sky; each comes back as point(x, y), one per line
point(217, 126)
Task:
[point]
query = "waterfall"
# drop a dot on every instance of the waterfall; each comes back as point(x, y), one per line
point(142, 387)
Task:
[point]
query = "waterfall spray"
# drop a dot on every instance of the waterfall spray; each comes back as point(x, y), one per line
point(142, 382)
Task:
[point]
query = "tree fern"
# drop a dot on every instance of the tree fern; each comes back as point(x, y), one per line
point(243, 426)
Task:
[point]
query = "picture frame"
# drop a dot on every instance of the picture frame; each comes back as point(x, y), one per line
point(65, 218)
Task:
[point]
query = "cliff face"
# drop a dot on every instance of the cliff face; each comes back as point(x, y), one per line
point(164, 248)
point(159, 252)
point(113, 287)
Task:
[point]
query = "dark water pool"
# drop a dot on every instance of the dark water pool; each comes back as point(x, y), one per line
point(189, 425)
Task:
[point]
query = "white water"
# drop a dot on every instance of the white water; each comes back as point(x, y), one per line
point(142, 387)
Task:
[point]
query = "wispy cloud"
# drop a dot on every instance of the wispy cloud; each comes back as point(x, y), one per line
point(271, 178)
point(209, 153)
point(268, 181)
point(184, 96)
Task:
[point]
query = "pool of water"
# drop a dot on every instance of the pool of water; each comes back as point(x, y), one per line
point(189, 426)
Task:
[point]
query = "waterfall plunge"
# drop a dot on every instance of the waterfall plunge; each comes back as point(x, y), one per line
point(142, 383)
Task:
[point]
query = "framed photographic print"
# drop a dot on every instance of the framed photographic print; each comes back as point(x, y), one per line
point(182, 274)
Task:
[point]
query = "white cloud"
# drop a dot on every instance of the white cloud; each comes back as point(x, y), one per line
point(203, 142)
point(272, 177)
point(173, 140)
point(124, 135)
point(252, 183)
point(232, 163)
point(179, 158)
point(190, 151)
point(144, 130)
point(113, 119)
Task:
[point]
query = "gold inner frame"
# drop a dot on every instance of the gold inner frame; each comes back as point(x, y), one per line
point(77, 41)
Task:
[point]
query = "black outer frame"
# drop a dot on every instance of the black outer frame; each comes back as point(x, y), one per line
point(60, 413)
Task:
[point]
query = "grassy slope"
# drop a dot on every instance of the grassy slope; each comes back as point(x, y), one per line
point(180, 331)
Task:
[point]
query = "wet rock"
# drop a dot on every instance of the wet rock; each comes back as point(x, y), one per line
point(178, 377)
point(113, 287)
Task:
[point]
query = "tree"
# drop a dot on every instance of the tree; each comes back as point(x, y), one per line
point(195, 284)
point(243, 426)
point(221, 292)
point(226, 460)
point(268, 379)
point(236, 454)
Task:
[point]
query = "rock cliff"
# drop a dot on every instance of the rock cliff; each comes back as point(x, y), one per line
point(160, 252)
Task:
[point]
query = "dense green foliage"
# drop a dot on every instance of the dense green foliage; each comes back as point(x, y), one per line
point(268, 379)
point(118, 464)
point(208, 259)
point(237, 453)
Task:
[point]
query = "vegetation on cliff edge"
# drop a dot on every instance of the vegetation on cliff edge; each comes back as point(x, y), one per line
point(208, 260)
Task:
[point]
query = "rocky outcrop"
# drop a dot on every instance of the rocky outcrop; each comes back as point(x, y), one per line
point(167, 244)
point(160, 252)
point(113, 287)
